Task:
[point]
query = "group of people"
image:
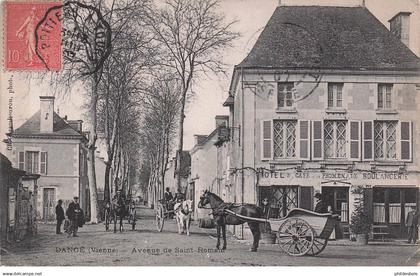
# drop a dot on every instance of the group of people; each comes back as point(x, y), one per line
point(74, 215)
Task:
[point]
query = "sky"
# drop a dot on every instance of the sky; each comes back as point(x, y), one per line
point(211, 92)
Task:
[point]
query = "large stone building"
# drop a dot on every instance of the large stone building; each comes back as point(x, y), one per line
point(52, 146)
point(327, 99)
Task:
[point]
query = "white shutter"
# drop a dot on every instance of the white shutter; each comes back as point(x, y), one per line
point(44, 162)
point(266, 140)
point(368, 140)
point(21, 160)
point(354, 140)
point(405, 141)
point(317, 140)
point(303, 134)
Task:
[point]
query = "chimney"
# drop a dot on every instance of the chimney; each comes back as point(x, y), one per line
point(400, 27)
point(47, 114)
point(222, 120)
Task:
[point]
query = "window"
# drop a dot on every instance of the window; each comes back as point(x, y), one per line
point(335, 139)
point(285, 94)
point(32, 161)
point(385, 140)
point(284, 133)
point(384, 96)
point(335, 95)
point(281, 199)
point(21, 160)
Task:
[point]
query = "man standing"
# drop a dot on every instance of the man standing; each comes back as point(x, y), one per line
point(59, 214)
point(73, 213)
point(320, 206)
point(412, 223)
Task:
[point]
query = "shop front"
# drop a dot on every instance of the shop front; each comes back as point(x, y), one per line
point(389, 195)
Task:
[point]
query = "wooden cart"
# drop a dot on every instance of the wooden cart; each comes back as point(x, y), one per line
point(300, 232)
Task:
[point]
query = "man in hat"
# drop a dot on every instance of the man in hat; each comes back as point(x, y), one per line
point(73, 214)
point(412, 223)
point(59, 213)
point(320, 206)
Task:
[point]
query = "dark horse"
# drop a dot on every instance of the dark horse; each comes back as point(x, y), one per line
point(118, 211)
point(223, 217)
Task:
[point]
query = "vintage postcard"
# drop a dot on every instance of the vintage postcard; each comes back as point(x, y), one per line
point(210, 133)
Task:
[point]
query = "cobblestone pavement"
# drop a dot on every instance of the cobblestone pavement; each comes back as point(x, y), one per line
point(145, 246)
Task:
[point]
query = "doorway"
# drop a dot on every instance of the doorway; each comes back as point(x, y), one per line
point(48, 204)
point(338, 200)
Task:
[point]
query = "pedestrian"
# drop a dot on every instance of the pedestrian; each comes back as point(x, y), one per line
point(320, 206)
point(412, 222)
point(59, 214)
point(168, 195)
point(73, 214)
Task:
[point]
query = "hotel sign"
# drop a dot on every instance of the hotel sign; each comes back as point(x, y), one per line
point(374, 176)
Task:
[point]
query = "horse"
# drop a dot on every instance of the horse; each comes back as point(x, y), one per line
point(223, 218)
point(118, 210)
point(183, 212)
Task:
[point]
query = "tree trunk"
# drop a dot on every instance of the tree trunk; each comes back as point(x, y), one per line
point(92, 186)
point(91, 154)
point(107, 192)
point(181, 139)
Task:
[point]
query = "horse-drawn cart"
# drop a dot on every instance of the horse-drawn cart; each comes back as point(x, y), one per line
point(301, 232)
point(113, 212)
point(162, 212)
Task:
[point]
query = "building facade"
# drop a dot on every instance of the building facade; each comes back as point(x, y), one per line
point(209, 166)
point(327, 100)
point(51, 146)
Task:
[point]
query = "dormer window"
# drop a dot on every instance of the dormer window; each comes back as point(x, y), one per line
point(335, 95)
point(285, 95)
point(384, 96)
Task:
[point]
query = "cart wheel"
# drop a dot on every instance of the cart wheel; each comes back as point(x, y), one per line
point(295, 237)
point(160, 218)
point(318, 247)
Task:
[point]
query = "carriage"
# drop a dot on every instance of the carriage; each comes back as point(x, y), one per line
point(300, 232)
point(111, 216)
point(163, 210)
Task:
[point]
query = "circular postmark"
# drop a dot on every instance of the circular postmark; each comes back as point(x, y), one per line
point(85, 37)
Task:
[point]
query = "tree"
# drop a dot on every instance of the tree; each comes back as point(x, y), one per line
point(191, 35)
point(87, 68)
point(122, 90)
point(158, 128)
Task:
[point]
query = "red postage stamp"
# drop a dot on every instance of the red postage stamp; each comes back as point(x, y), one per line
point(26, 47)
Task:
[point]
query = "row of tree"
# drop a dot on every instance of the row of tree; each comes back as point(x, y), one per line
point(137, 98)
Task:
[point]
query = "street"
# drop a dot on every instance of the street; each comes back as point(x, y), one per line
point(147, 247)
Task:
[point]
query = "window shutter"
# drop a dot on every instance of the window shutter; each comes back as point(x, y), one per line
point(406, 140)
point(44, 162)
point(21, 160)
point(266, 140)
point(353, 139)
point(304, 132)
point(306, 197)
point(317, 140)
point(368, 141)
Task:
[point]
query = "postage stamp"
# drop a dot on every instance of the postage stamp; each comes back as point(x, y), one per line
point(21, 22)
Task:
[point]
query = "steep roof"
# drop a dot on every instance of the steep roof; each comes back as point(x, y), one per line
point(60, 128)
point(301, 37)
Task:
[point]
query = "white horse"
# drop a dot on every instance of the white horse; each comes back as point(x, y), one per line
point(183, 211)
